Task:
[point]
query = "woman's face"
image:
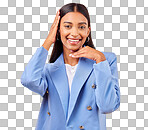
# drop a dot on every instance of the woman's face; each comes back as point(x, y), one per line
point(73, 31)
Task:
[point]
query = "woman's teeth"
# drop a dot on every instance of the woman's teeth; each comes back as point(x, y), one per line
point(73, 40)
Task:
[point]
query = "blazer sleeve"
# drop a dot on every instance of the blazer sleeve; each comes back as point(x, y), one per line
point(107, 90)
point(34, 75)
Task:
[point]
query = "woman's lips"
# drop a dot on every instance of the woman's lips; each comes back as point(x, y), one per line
point(74, 41)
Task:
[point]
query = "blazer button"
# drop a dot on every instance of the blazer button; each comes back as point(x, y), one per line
point(89, 108)
point(94, 86)
point(47, 91)
point(48, 113)
point(81, 127)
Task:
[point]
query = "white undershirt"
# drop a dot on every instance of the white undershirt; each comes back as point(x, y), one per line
point(70, 73)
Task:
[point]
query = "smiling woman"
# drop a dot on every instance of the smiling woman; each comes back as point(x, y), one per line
point(79, 85)
point(73, 32)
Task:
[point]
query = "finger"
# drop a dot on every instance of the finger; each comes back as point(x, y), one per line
point(79, 55)
point(56, 17)
point(55, 23)
point(58, 14)
point(72, 55)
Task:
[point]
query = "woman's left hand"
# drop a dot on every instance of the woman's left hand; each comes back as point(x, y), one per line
point(89, 53)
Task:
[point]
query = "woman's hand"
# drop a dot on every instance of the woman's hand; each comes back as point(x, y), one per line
point(53, 30)
point(89, 53)
point(51, 38)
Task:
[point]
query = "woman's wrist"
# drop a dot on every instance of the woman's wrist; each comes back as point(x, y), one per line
point(47, 44)
point(99, 58)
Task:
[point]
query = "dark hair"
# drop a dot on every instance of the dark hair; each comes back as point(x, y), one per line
point(58, 46)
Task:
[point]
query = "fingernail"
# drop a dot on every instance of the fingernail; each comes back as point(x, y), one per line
point(70, 54)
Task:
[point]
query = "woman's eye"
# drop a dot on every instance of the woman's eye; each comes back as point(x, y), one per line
point(67, 26)
point(82, 27)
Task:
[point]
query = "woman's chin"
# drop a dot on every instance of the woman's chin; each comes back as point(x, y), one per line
point(74, 50)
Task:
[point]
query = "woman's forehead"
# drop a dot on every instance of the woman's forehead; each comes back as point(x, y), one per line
point(74, 17)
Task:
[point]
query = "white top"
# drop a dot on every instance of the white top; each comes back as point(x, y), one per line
point(70, 73)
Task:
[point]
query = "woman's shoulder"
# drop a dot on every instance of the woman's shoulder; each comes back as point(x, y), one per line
point(110, 56)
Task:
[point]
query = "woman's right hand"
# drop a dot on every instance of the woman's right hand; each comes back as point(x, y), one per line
point(51, 38)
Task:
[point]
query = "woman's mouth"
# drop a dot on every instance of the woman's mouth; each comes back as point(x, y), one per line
point(73, 41)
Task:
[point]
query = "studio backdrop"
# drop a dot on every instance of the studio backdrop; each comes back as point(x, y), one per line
point(119, 26)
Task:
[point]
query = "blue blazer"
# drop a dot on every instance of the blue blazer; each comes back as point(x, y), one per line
point(94, 91)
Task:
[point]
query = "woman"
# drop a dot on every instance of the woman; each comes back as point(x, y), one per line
point(80, 84)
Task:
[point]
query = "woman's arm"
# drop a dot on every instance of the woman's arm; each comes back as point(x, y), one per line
point(107, 87)
point(34, 75)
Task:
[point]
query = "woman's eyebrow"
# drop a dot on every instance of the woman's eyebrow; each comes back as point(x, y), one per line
point(78, 23)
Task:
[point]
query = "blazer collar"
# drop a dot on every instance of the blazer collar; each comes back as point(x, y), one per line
point(60, 79)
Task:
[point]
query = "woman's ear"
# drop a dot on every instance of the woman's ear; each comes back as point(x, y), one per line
point(89, 29)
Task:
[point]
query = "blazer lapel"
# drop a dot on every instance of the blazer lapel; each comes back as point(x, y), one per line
point(84, 68)
point(60, 80)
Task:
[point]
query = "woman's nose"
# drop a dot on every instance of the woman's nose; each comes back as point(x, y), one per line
point(74, 32)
